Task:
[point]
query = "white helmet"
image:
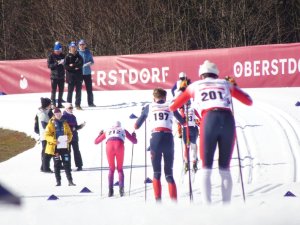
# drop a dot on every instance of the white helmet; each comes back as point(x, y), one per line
point(182, 75)
point(208, 67)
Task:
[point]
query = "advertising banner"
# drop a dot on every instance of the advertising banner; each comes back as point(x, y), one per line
point(252, 67)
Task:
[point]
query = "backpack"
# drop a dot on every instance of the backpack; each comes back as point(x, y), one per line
point(36, 125)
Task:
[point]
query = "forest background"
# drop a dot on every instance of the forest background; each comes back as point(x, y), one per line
point(29, 28)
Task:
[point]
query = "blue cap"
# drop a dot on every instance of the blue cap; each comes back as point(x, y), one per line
point(72, 44)
point(57, 46)
point(81, 42)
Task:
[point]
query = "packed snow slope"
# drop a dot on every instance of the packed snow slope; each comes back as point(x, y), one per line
point(268, 135)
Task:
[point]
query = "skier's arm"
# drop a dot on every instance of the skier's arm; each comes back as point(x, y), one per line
point(240, 95)
point(139, 122)
point(131, 137)
point(180, 118)
point(197, 114)
point(182, 99)
point(174, 89)
point(100, 137)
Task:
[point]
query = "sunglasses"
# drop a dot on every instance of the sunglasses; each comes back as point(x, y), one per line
point(70, 107)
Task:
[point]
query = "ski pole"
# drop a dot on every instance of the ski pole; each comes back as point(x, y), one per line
point(132, 116)
point(238, 153)
point(101, 166)
point(145, 160)
point(187, 146)
point(131, 168)
point(240, 169)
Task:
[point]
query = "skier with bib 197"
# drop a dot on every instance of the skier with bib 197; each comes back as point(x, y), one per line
point(115, 136)
point(212, 99)
point(161, 142)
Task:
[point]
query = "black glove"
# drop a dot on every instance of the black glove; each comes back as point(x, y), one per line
point(81, 126)
point(231, 80)
point(101, 132)
point(133, 134)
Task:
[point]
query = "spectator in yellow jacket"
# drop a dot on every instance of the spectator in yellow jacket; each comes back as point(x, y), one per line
point(58, 136)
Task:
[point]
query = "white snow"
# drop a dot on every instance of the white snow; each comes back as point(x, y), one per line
point(269, 145)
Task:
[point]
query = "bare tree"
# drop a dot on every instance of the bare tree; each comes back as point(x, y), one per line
point(29, 28)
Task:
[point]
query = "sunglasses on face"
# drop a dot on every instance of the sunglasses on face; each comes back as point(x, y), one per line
point(70, 107)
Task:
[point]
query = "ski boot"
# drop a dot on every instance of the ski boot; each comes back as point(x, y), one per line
point(195, 167)
point(122, 193)
point(111, 192)
point(186, 167)
point(71, 183)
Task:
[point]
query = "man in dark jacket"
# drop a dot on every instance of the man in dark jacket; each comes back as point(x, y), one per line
point(73, 65)
point(56, 65)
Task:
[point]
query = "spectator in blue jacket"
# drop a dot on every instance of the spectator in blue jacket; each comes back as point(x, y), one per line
point(86, 70)
point(74, 144)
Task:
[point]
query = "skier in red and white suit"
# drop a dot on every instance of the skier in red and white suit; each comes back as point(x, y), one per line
point(115, 150)
point(212, 99)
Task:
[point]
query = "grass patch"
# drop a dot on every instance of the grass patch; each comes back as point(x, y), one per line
point(13, 142)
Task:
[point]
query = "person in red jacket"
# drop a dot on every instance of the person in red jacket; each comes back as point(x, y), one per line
point(213, 100)
point(115, 137)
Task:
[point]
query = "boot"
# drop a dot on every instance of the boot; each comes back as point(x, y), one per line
point(71, 183)
point(122, 193)
point(58, 183)
point(110, 192)
point(195, 167)
point(186, 167)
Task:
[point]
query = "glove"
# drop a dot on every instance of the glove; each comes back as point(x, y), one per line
point(183, 85)
point(101, 132)
point(231, 80)
point(197, 121)
point(81, 126)
point(133, 134)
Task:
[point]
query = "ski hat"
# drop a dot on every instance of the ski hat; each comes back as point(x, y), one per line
point(56, 110)
point(81, 42)
point(208, 67)
point(117, 124)
point(68, 105)
point(57, 46)
point(45, 102)
point(72, 44)
point(182, 75)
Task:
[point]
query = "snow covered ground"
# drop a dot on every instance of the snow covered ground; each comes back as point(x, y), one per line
point(268, 140)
